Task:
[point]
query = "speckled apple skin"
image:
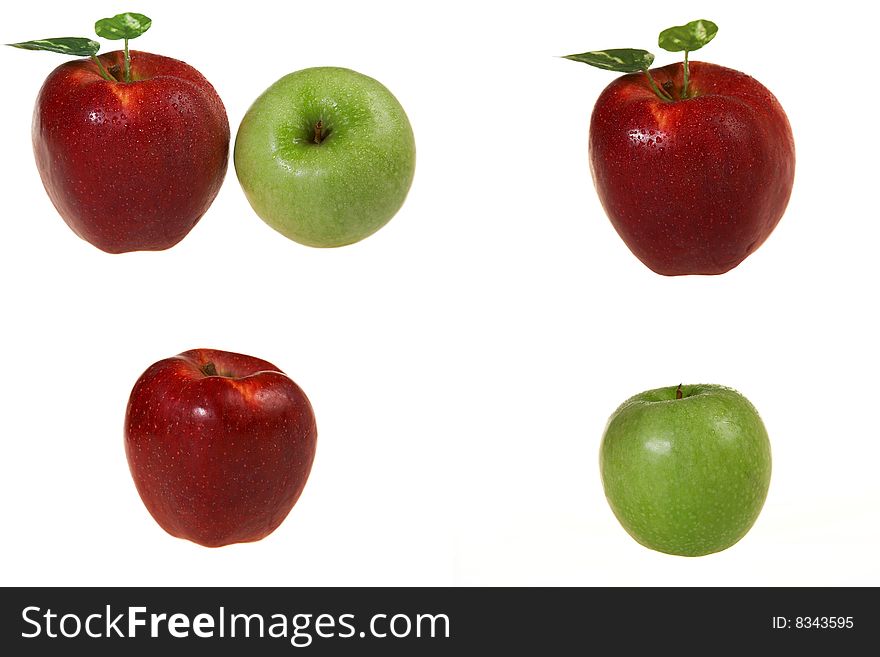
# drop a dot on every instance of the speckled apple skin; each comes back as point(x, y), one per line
point(130, 166)
point(693, 186)
point(219, 459)
point(686, 476)
point(339, 191)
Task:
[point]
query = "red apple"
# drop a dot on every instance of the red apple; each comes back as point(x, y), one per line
point(219, 445)
point(692, 186)
point(130, 166)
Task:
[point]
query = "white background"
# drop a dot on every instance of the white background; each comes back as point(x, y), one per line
point(463, 361)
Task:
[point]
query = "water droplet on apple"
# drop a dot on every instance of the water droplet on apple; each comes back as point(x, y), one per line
point(649, 138)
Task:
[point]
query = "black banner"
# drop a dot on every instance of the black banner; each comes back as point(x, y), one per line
point(416, 621)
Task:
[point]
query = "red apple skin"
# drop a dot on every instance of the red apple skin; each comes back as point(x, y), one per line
point(219, 459)
point(693, 186)
point(130, 166)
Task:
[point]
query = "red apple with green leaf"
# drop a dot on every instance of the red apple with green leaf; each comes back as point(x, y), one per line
point(694, 163)
point(132, 147)
point(219, 444)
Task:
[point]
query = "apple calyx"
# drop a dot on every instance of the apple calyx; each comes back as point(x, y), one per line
point(319, 132)
point(681, 38)
point(209, 369)
point(122, 26)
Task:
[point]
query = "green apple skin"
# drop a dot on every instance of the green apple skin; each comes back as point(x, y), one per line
point(686, 476)
point(340, 190)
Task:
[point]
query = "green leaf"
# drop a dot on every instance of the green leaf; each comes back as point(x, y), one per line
point(123, 26)
point(76, 46)
point(623, 60)
point(690, 37)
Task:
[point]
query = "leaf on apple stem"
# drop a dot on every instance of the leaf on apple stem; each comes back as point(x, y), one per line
point(622, 60)
point(688, 38)
point(75, 46)
point(123, 26)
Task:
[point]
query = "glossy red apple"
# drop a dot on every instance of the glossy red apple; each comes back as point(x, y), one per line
point(692, 186)
point(130, 166)
point(219, 444)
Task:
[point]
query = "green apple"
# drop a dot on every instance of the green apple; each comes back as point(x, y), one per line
point(686, 469)
point(325, 156)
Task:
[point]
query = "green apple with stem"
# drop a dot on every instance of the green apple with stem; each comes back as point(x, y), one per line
point(686, 469)
point(325, 156)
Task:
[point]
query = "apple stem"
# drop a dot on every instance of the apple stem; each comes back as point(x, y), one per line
point(209, 369)
point(662, 95)
point(678, 394)
point(127, 63)
point(103, 71)
point(319, 132)
point(684, 85)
